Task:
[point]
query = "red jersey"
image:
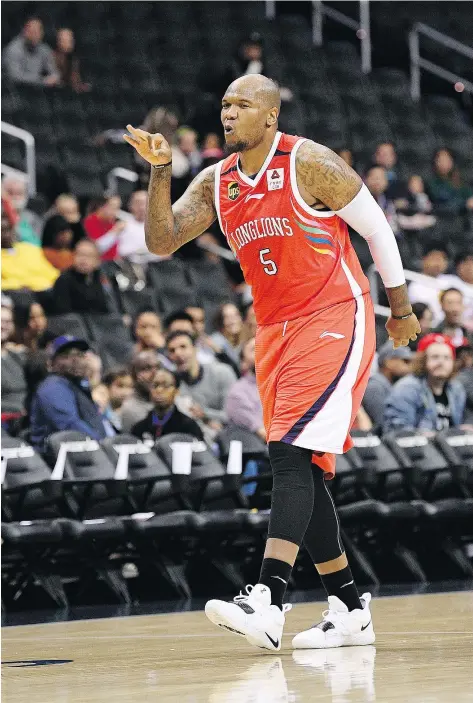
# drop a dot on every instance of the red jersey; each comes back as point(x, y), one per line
point(297, 260)
point(95, 229)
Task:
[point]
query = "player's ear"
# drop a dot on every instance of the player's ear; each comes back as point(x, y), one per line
point(272, 117)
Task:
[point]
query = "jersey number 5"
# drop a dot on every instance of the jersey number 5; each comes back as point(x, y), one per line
point(269, 266)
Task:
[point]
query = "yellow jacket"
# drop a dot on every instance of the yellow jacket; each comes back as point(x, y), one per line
point(25, 266)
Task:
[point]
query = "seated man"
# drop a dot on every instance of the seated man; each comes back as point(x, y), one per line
point(165, 418)
point(452, 304)
point(23, 265)
point(63, 400)
point(243, 406)
point(143, 367)
point(393, 364)
point(206, 386)
point(429, 399)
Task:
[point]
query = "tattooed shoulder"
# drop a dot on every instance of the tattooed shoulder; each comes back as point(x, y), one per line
point(323, 176)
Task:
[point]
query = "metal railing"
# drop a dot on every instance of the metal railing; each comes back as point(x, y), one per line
point(362, 28)
point(410, 276)
point(418, 63)
point(30, 173)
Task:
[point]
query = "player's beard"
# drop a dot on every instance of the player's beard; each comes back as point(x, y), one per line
point(235, 148)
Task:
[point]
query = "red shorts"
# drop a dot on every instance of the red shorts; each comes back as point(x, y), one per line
point(312, 373)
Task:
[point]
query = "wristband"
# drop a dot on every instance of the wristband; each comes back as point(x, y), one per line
point(402, 317)
point(161, 165)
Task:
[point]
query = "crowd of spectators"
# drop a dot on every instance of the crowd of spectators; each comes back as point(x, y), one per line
point(180, 377)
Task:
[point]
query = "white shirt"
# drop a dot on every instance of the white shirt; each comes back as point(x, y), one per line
point(420, 293)
point(452, 281)
point(132, 243)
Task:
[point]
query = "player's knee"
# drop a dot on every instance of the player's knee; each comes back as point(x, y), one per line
point(290, 465)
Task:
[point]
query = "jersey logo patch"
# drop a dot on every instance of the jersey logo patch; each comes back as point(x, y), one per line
point(275, 178)
point(233, 190)
point(256, 196)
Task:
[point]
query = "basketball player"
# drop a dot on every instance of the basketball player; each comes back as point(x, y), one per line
point(284, 203)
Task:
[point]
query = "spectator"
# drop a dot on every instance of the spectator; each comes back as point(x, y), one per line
point(465, 377)
point(206, 347)
point(229, 325)
point(132, 243)
point(102, 225)
point(67, 61)
point(23, 265)
point(30, 324)
point(165, 418)
point(186, 147)
point(28, 60)
point(434, 263)
point(425, 317)
point(413, 210)
point(377, 183)
point(347, 156)
point(206, 387)
point(147, 331)
point(385, 156)
point(212, 151)
point(119, 383)
point(243, 406)
point(68, 206)
point(393, 364)
point(428, 399)
point(137, 406)
point(179, 321)
point(27, 223)
point(14, 388)
point(451, 301)
point(446, 189)
point(463, 281)
point(84, 288)
point(249, 323)
point(57, 243)
point(63, 400)
point(93, 369)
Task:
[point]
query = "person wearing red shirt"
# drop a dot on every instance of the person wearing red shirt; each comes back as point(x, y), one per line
point(102, 225)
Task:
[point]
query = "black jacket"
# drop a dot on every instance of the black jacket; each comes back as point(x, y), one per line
point(76, 292)
point(177, 422)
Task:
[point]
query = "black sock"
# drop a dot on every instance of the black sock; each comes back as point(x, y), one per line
point(275, 574)
point(341, 584)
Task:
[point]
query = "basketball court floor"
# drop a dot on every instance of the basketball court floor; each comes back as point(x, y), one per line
point(423, 654)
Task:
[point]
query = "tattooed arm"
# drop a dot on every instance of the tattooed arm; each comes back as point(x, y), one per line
point(323, 178)
point(169, 227)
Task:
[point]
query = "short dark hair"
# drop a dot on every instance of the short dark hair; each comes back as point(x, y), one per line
point(419, 309)
point(118, 372)
point(176, 379)
point(179, 333)
point(431, 246)
point(449, 290)
point(86, 240)
point(462, 257)
point(177, 315)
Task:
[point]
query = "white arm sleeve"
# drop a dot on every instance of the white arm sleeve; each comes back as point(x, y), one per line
point(365, 216)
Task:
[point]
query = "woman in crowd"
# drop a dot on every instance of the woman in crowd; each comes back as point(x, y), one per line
point(14, 388)
point(446, 189)
point(67, 61)
point(30, 324)
point(57, 242)
point(103, 226)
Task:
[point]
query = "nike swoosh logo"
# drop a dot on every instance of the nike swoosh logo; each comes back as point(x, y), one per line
point(256, 196)
point(281, 579)
point(364, 628)
point(335, 335)
point(347, 584)
point(275, 643)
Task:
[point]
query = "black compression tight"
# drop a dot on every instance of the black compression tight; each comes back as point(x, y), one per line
point(301, 505)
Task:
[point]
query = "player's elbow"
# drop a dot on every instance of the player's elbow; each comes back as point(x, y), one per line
point(157, 244)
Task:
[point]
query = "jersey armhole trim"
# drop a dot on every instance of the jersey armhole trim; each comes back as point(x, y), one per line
point(295, 190)
point(218, 170)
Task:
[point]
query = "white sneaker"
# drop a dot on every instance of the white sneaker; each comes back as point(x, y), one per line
point(251, 615)
point(339, 627)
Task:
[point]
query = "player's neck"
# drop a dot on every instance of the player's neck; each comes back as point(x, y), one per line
point(251, 160)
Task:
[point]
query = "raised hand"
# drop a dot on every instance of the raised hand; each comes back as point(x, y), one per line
point(152, 147)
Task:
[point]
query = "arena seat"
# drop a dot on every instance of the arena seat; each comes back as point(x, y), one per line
point(169, 280)
point(70, 323)
point(28, 491)
point(112, 338)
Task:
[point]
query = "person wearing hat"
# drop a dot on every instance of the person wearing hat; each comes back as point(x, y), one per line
point(429, 399)
point(63, 400)
point(393, 364)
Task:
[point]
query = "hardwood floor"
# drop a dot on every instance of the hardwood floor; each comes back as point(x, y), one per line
point(423, 654)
